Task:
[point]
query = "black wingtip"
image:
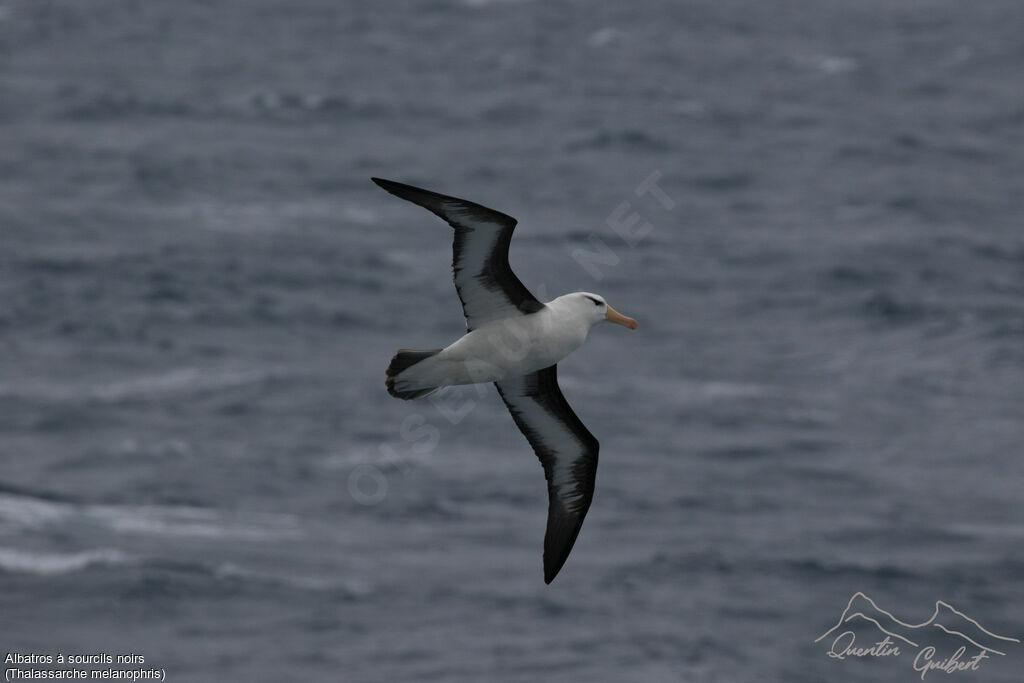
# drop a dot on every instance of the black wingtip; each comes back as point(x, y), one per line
point(563, 529)
point(554, 559)
point(552, 567)
point(393, 186)
point(432, 201)
point(449, 208)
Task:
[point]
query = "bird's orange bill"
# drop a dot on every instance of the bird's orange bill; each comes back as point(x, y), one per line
point(614, 316)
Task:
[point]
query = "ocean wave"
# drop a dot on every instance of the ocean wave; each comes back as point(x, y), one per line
point(182, 380)
point(179, 381)
point(278, 105)
point(997, 252)
point(280, 102)
point(808, 569)
point(629, 139)
point(26, 512)
point(997, 530)
point(49, 564)
point(350, 587)
point(157, 577)
point(123, 105)
point(888, 307)
point(830, 65)
point(509, 113)
point(192, 522)
point(814, 569)
point(723, 182)
point(857, 275)
point(282, 106)
point(478, 4)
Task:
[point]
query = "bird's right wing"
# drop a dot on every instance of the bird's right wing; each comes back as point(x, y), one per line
point(487, 287)
point(567, 450)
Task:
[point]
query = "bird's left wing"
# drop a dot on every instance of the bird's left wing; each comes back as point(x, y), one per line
point(567, 450)
point(487, 287)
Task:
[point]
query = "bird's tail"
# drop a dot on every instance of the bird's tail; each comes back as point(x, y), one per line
point(402, 381)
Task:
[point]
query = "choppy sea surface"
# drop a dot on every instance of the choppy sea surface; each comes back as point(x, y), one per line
point(200, 290)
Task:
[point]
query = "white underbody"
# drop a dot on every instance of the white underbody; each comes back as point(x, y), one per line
point(503, 348)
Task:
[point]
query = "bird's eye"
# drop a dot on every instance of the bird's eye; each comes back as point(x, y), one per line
point(597, 302)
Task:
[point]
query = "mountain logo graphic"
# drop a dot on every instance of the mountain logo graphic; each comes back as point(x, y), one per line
point(967, 642)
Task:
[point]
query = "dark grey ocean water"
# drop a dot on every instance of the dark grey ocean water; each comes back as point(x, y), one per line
point(200, 290)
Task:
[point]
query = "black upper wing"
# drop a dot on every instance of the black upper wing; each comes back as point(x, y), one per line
point(488, 288)
point(567, 450)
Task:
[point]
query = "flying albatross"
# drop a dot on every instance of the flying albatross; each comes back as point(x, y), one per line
point(515, 341)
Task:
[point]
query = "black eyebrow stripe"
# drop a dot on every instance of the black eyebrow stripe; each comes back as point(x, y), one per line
point(596, 301)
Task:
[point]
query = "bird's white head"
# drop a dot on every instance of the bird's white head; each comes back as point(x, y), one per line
point(594, 308)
